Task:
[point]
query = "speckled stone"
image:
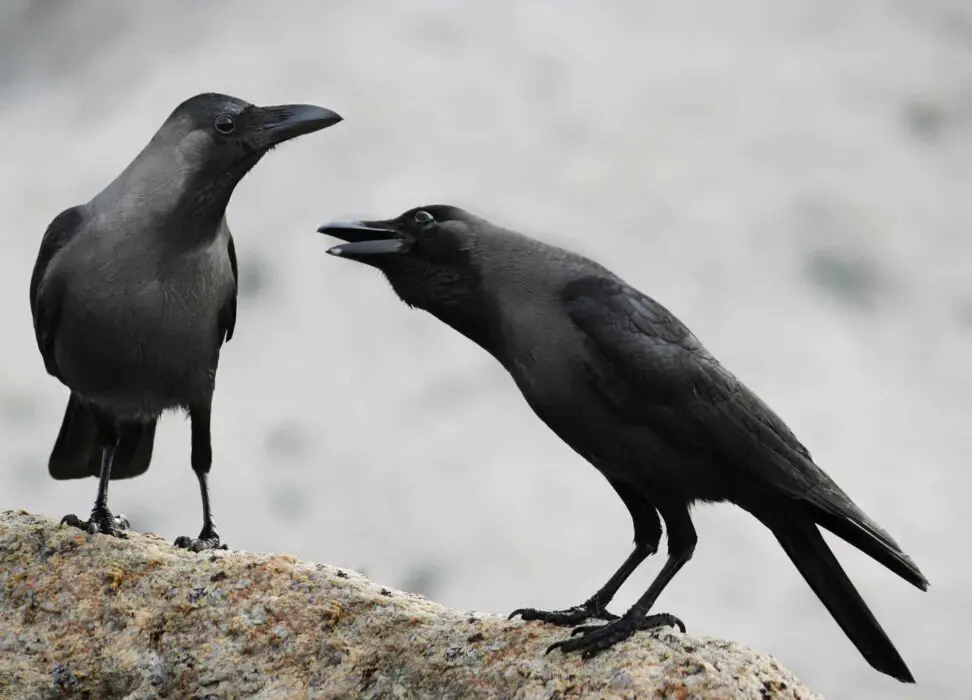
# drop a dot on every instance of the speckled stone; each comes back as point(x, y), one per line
point(96, 617)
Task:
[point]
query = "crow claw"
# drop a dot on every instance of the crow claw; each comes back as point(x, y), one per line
point(597, 638)
point(208, 539)
point(101, 521)
point(565, 618)
point(660, 620)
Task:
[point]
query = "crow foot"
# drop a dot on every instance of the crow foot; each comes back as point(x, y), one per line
point(566, 618)
point(101, 521)
point(208, 539)
point(597, 638)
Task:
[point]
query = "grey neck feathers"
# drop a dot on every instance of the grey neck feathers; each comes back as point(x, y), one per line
point(182, 205)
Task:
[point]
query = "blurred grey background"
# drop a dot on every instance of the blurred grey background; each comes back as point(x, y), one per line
point(791, 178)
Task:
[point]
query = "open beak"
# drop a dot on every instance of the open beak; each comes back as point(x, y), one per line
point(279, 123)
point(365, 238)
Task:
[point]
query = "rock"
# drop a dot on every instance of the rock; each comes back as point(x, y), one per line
point(96, 617)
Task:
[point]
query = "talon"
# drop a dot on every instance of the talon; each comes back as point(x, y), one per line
point(597, 638)
point(660, 620)
point(205, 541)
point(564, 618)
point(101, 521)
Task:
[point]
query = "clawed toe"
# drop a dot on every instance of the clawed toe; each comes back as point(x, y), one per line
point(71, 520)
point(595, 638)
point(564, 618)
point(590, 640)
point(205, 541)
point(660, 620)
point(102, 521)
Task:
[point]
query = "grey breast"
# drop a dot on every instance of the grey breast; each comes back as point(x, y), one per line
point(138, 330)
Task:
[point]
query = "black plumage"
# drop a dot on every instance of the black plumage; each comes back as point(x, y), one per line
point(623, 382)
point(134, 292)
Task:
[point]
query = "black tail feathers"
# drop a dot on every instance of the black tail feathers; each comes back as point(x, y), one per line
point(806, 548)
point(77, 450)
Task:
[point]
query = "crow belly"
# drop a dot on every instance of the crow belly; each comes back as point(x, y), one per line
point(638, 456)
point(138, 364)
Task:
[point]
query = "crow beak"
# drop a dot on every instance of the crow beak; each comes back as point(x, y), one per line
point(364, 238)
point(279, 123)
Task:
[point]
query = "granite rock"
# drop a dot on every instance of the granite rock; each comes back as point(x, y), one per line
point(97, 617)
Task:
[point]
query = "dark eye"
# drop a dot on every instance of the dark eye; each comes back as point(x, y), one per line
point(423, 218)
point(225, 124)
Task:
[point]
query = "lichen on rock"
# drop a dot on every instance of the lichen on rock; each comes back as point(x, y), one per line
point(100, 618)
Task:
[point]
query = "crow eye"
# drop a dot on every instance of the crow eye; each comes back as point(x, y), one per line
point(423, 218)
point(225, 124)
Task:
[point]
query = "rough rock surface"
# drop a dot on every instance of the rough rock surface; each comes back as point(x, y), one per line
point(101, 618)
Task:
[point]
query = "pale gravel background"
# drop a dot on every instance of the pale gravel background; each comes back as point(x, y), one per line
point(791, 178)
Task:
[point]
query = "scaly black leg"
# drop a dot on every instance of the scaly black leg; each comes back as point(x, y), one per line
point(596, 605)
point(102, 520)
point(647, 534)
point(202, 460)
point(594, 639)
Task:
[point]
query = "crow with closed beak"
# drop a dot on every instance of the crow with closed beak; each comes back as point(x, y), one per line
point(134, 293)
point(633, 391)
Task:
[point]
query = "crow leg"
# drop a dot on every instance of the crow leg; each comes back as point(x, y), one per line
point(647, 534)
point(596, 605)
point(596, 638)
point(102, 520)
point(202, 460)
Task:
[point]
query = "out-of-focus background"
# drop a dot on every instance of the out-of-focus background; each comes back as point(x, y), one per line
point(791, 178)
